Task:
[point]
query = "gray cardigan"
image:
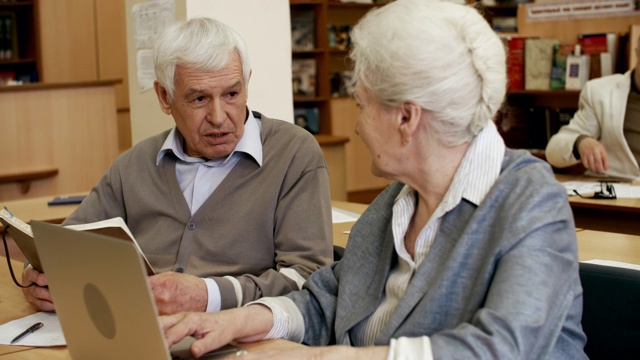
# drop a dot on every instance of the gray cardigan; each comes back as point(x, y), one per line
point(258, 221)
point(500, 281)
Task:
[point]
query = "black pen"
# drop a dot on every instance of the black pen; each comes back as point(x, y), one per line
point(30, 330)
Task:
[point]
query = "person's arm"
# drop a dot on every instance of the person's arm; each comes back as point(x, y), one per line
point(560, 149)
point(534, 294)
point(302, 232)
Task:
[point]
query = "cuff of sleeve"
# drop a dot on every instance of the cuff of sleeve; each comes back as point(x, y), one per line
point(213, 303)
point(576, 153)
point(287, 319)
point(410, 348)
point(228, 294)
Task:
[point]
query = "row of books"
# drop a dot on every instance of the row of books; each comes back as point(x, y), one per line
point(7, 37)
point(535, 63)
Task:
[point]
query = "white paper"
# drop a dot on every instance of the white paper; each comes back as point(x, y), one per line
point(341, 216)
point(150, 19)
point(50, 334)
point(146, 72)
point(587, 188)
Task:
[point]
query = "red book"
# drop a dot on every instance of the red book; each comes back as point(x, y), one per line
point(593, 43)
point(514, 46)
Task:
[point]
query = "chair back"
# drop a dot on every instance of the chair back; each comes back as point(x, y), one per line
point(611, 311)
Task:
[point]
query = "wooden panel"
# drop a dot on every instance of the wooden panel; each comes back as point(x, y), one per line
point(67, 39)
point(344, 114)
point(334, 154)
point(72, 129)
point(111, 30)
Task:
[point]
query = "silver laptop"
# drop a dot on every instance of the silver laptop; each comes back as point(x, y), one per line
point(102, 297)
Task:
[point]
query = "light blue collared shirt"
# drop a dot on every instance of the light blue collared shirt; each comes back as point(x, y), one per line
point(199, 178)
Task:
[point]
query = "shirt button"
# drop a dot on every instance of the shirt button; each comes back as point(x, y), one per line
point(179, 270)
point(191, 226)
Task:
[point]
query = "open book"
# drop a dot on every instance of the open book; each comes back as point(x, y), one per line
point(23, 236)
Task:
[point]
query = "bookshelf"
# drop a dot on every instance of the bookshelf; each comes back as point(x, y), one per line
point(20, 35)
point(336, 111)
point(328, 60)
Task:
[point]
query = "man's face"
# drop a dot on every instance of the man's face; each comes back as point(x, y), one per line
point(209, 108)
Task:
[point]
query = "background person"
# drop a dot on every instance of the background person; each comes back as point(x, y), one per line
point(229, 205)
point(471, 252)
point(604, 134)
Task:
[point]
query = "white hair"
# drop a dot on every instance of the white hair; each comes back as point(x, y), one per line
point(200, 43)
point(441, 55)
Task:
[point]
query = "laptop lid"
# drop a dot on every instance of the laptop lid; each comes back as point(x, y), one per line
point(102, 297)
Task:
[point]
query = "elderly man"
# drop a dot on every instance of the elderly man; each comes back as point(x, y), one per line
point(229, 205)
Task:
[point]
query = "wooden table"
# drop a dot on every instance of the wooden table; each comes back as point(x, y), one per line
point(619, 215)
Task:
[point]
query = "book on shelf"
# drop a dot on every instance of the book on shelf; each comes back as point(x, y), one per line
point(7, 36)
point(339, 36)
point(307, 118)
point(559, 65)
point(7, 77)
point(340, 83)
point(514, 47)
point(602, 49)
point(632, 41)
point(303, 77)
point(538, 55)
point(303, 36)
point(23, 235)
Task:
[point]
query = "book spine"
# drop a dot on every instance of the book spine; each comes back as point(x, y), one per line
point(515, 62)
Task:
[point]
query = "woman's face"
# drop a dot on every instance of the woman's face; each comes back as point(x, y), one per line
point(377, 129)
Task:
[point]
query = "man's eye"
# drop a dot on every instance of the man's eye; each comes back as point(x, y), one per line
point(199, 99)
point(233, 94)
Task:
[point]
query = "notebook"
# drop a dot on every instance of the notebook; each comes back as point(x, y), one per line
point(102, 297)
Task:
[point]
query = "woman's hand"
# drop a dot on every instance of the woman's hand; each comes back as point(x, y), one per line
point(213, 330)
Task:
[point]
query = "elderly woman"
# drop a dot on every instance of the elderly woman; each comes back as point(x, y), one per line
point(470, 253)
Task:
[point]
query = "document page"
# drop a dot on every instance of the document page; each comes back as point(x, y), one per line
point(50, 334)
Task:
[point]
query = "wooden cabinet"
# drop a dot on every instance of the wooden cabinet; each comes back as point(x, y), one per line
point(19, 34)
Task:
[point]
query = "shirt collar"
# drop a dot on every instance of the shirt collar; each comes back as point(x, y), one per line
point(477, 172)
point(250, 143)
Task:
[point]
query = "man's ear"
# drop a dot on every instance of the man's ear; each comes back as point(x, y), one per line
point(163, 97)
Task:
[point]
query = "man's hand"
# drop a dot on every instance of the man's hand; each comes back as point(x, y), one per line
point(593, 155)
point(38, 295)
point(175, 292)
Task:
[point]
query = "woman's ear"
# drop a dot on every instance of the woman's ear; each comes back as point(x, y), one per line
point(410, 114)
point(163, 97)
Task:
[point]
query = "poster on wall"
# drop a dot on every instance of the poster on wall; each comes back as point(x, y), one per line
point(580, 10)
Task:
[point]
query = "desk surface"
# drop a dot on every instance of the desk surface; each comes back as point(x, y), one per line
point(626, 205)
